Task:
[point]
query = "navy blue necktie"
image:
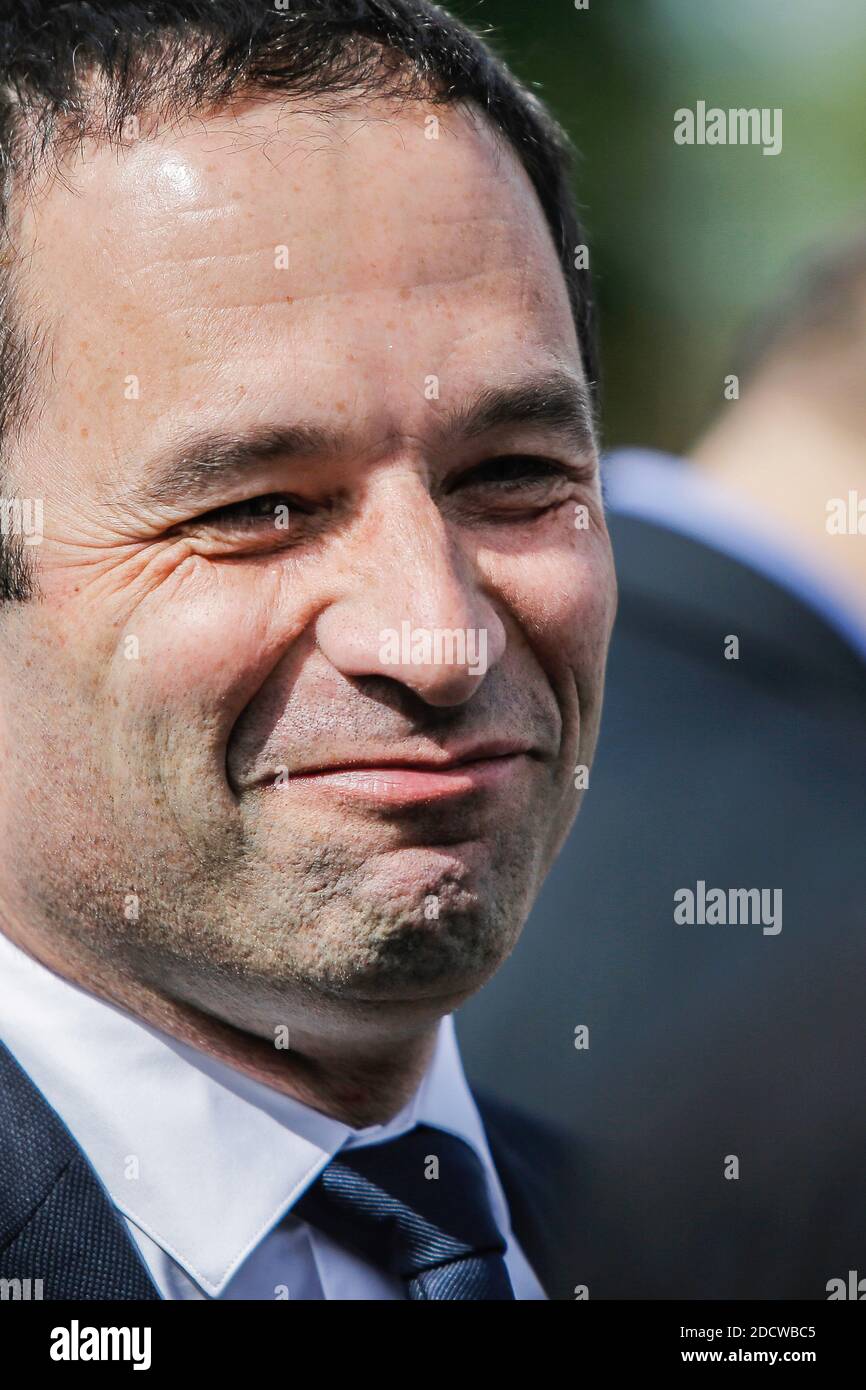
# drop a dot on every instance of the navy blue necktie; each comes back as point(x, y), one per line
point(437, 1233)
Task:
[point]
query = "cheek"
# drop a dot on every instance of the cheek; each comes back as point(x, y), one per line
point(203, 644)
point(591, 621)
point(564, 598)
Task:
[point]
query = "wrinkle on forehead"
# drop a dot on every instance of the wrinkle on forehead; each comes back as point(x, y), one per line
point(182, 180)
point(186, 204)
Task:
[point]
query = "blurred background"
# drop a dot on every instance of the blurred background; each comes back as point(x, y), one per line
point(688, 242)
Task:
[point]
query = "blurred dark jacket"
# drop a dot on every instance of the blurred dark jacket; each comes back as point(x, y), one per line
point(706, 1042)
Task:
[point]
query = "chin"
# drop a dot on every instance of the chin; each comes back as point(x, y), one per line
point(415, 957)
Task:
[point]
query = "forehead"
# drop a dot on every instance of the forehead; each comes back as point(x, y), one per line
point(228, 267)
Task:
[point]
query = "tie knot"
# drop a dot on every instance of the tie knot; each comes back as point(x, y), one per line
point(416, 1207)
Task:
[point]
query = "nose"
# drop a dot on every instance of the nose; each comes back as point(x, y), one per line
point(410, 604)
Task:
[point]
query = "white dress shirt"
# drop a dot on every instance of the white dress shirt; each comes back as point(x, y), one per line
point(205, 1164)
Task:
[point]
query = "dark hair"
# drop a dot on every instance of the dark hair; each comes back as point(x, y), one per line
point(83, 70)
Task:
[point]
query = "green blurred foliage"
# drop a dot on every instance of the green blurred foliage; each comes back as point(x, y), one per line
point(689, 242)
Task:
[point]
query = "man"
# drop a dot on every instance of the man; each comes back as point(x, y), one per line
point(299, 373)
point(720, 1086)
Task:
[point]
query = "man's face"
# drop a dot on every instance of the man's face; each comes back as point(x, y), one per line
point(403, 575)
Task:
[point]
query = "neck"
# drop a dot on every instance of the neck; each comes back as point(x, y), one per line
point(350, 1074)
point(787, 460)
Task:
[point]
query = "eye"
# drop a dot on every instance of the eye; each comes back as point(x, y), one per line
point(517, 472)
point(276, 510)
point(518, 487)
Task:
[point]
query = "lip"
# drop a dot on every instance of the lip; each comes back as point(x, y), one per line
point(391, 781)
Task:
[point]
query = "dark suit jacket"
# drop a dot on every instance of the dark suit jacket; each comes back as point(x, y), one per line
point(58, 1224)
point(705, 1041)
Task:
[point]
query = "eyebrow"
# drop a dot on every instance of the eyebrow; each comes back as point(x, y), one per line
point(555, 401)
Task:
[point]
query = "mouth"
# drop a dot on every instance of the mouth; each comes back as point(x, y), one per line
point(392, 781)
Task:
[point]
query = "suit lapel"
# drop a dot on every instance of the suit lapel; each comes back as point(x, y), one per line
point(57, 1223)
point(538, 1171)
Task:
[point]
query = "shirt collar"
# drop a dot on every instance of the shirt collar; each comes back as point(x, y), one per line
point(197, 1155)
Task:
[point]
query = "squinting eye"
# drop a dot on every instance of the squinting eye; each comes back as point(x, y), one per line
point(515, 471)
point(274, 508)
